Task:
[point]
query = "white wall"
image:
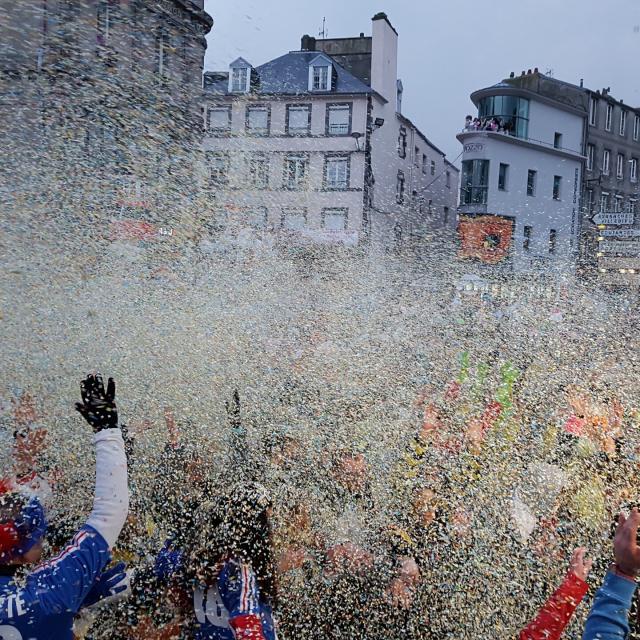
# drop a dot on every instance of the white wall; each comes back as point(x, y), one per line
point(545, 121)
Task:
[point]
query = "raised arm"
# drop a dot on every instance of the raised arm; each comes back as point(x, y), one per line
point(609, 615)
point(65, 581)
point(554, 616)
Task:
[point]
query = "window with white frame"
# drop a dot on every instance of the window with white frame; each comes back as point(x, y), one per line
point(334, 219)
point(619, 204)
point(336, 173)
point(218, 168)
point(258, 170)
point(609, 117)
point(623, 123)
point(591, 154)
point(400, 187)
point(593, 111)
point(604, 202)
point(298, 119)
point(633, 170)
point(620, 167)
point(606, 161)
point(239, 80)
point(293, 218)
point(636, 127)
point(633, 203)
point(219, 119)
point(589, 201)
point(295, 172)
point(258, 119)
point(339, 119)
point(320, 78)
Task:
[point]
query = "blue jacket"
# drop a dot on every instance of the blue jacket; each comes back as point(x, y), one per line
point(45, 607)
point(609, 615)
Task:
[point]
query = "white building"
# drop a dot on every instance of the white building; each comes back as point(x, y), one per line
point(520, 186)
point(313, 143)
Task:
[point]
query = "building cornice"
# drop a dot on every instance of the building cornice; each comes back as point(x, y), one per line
point(465, 136)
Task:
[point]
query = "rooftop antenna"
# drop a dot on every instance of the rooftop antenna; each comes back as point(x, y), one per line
point(325, 32)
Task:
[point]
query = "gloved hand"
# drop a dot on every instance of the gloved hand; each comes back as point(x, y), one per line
point(168, 562)
point(97, 407)
point(109, 583)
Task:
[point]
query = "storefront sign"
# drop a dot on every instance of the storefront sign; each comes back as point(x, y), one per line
point(620, 233)
point(628, 247)
point(473, 146)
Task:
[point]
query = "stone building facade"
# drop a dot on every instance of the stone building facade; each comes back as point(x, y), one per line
point(100, 106)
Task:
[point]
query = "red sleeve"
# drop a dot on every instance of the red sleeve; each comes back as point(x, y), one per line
point(557, 611)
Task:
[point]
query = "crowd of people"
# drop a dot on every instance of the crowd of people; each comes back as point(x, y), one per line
point(221, 570)
point(489, 124)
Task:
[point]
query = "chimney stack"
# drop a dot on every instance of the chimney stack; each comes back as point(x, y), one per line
point(308, 43)
point(582, 83)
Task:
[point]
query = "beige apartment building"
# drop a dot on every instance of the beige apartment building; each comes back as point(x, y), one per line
point(313, 145)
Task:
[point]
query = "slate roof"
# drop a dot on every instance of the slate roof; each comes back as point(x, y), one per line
point(289, 75)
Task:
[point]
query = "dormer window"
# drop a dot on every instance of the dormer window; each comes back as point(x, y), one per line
point(320, 74)
point(239, 76)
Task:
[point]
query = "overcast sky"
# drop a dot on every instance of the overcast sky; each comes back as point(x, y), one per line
point(449, 48)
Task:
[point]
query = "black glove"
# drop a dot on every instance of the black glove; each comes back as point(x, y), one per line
point(97, 407)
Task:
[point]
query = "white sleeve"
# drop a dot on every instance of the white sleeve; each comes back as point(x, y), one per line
point(111, 499)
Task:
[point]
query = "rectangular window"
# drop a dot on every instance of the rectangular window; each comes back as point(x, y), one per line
point(526, 238)
point(553, 236)
point(623, 123)
point(416, 156)
point(321, 78)
point(557, 181)
point(557, 140)
point(636, 128)
point(474, 182)
point(259, 170)
point(604, 202)
point(218, 168)
point(239, 78)
point(446, 215)
point(609, 118)
point(433, 167)
point(620, 167)
point(502, 176)
point(606, 160)
point(589, 201)
point(424, 163)
point(258, 120)
point(298, 119)
point(257, 217)
point(334, 219)
point(591, 154)
point(336, 173)
point(339, 119)
point(618, 204)
point(633, 171)
point(293, 218)
point(104, 22)
point(532, 177)
point(593, 111)
point(295, 172)
point(632, 205)
point(400, 187)
point(219, 119)
point(162, 55)
point(402, 143)
point(448, 179)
